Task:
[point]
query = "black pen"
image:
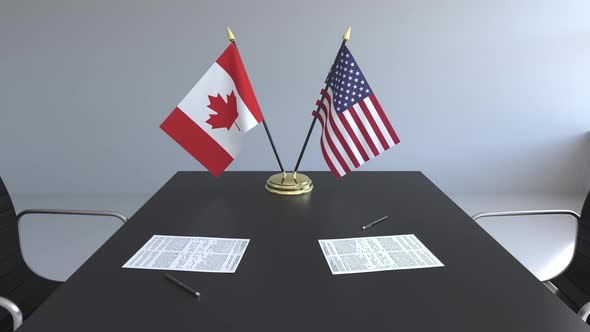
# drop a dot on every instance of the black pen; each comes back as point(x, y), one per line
point(182, 285)
point(371, 224)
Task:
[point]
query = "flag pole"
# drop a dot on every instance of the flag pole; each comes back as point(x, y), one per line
point(345, 38)
point(232, 39)
point(292, 183)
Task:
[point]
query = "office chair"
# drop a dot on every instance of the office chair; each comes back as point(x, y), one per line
point(21, 290)
point(572, 284)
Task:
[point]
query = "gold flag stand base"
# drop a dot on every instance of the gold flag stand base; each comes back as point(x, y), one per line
point(289, 184)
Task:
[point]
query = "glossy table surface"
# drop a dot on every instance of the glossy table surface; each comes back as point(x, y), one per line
point(283, 282)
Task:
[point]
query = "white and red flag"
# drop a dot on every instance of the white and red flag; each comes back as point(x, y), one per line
point(211, 121)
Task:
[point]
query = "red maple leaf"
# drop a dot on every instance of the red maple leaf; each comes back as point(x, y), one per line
point(226, 112)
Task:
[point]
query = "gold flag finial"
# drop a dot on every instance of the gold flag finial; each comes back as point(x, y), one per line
point(346, 35)
point(230, 35)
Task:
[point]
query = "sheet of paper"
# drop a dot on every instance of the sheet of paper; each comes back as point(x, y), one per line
point(187, 253)
point(377, 253)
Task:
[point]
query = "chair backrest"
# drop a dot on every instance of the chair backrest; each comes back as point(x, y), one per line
point(574, 283)
point(586, 209)
point(17, 282)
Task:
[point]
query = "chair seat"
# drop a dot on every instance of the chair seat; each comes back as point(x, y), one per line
point(546, 250)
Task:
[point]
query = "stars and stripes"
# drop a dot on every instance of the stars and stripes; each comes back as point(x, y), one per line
point(354, 126)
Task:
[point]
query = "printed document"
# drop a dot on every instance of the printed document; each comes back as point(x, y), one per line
point(188, 253)
point(377, 253)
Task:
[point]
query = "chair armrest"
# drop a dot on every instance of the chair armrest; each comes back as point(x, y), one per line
point(525, 213)
point(584, 311)
point(74, 212)
point(14, 310)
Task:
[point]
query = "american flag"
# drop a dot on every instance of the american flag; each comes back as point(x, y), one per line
point(354, 126)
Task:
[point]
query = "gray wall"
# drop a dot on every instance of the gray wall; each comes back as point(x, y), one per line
point(486, 96)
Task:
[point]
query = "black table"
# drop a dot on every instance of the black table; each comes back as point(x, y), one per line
point(283, 282)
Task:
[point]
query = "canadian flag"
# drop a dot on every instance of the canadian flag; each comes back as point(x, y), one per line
point(211, 121)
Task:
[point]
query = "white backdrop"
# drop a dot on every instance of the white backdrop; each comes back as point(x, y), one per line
point(486, 96)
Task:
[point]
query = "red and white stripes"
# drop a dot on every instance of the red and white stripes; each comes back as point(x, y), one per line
point(354, 136)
